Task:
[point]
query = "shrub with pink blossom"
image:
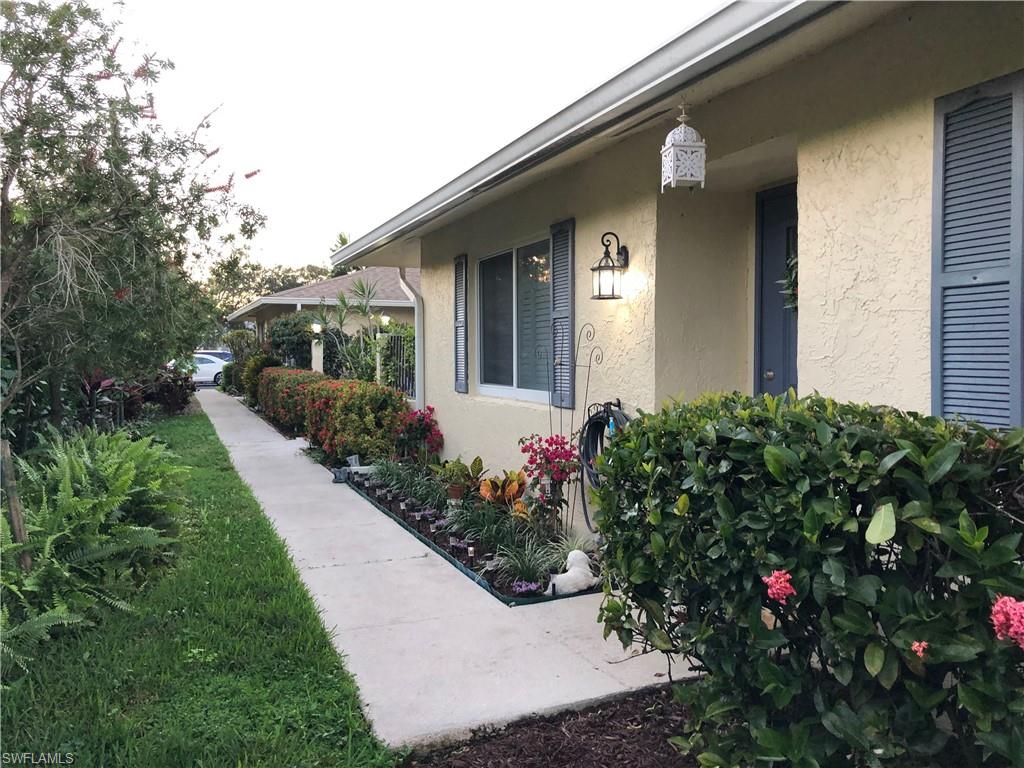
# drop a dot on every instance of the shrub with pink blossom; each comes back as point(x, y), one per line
point(551, 464)
point(419, 437)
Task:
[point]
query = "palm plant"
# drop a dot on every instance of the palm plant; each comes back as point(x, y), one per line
point(354, 352)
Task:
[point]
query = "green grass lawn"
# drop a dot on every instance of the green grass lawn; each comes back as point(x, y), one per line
point(224, 661)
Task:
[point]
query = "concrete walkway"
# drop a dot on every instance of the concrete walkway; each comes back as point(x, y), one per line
point(435, 655)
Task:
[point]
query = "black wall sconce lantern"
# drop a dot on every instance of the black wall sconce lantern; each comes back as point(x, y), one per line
point(607, 272)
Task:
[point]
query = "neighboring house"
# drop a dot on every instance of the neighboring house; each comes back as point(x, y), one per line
point(892, 132)
point(391, 299)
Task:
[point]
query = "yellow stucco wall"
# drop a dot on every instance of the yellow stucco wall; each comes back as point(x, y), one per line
point(855, 121)
point(615, 190)
point(862, 112)
point(704, 309)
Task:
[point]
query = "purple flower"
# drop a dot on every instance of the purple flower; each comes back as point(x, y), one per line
point(523, 587)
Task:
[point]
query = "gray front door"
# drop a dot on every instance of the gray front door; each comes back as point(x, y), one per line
point(775, 345)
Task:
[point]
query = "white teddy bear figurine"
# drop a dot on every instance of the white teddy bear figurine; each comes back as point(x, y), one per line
point(577, 577)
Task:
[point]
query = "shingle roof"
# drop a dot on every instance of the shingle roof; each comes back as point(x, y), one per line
point(384, 279)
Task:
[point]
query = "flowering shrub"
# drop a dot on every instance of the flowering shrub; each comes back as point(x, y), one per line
point(848, 578)
point(549, 457)
point(418, 436)
point(346, 417)
point(282, 395)
point(550, 463)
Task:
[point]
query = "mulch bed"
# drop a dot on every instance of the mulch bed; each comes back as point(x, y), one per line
point(631, 732)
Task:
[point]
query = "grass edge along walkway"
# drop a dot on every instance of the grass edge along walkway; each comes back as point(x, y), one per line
point(223, 662)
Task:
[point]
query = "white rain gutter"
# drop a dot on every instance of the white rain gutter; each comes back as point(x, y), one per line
point(721, 38)
point(238, 314)
point(417, 301)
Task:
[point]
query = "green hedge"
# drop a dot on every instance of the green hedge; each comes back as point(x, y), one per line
point(346, 417)
point(831, 568)
point(229, 374)
point(251, 374)
point(282, 395)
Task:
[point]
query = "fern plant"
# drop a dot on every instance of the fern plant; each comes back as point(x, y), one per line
point(98, 508)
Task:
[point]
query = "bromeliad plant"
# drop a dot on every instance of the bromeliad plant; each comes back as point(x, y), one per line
point(847, 577)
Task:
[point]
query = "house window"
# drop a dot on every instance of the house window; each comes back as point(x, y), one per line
point(515, 321)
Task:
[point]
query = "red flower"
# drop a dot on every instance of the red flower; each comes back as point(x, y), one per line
point(919, 647)
point(779, 586)
point(1008, 620)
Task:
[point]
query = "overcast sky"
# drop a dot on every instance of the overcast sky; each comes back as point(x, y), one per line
point(355, 110)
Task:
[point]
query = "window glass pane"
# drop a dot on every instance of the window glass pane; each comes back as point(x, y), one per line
point(533, 315)
point(496, 320)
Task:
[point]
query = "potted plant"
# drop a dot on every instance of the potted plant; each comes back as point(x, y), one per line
point(458, 477)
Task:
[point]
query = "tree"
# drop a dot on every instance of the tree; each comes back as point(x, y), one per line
point(101, 210)
point(339, 242)
point(342, 269)
point(237, 280)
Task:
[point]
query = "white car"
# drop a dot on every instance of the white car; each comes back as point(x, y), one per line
point(209, 369)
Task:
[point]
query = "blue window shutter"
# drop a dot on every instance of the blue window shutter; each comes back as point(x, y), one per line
point(563, 368)
point(461, 359)
point(977, 243)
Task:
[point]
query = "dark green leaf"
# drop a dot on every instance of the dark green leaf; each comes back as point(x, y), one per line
point(777, 457)
point(938, 464)
point(890, 461)
point(890, 670)
point(928, 524)
point(874, 659)
point(659, 639)
point(926, 697)
point(864, 589)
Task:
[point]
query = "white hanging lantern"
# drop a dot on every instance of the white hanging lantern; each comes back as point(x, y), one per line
point(683, 157)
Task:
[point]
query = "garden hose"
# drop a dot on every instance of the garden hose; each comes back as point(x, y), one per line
point(601, 419)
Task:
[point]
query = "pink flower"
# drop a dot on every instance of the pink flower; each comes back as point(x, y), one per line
point(1008, 620)
point(779, 587)
point(919, 647)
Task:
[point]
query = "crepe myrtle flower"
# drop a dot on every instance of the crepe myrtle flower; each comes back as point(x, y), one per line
point(779, 586)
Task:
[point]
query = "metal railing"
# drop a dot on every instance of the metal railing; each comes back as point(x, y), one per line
point(396, 362)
